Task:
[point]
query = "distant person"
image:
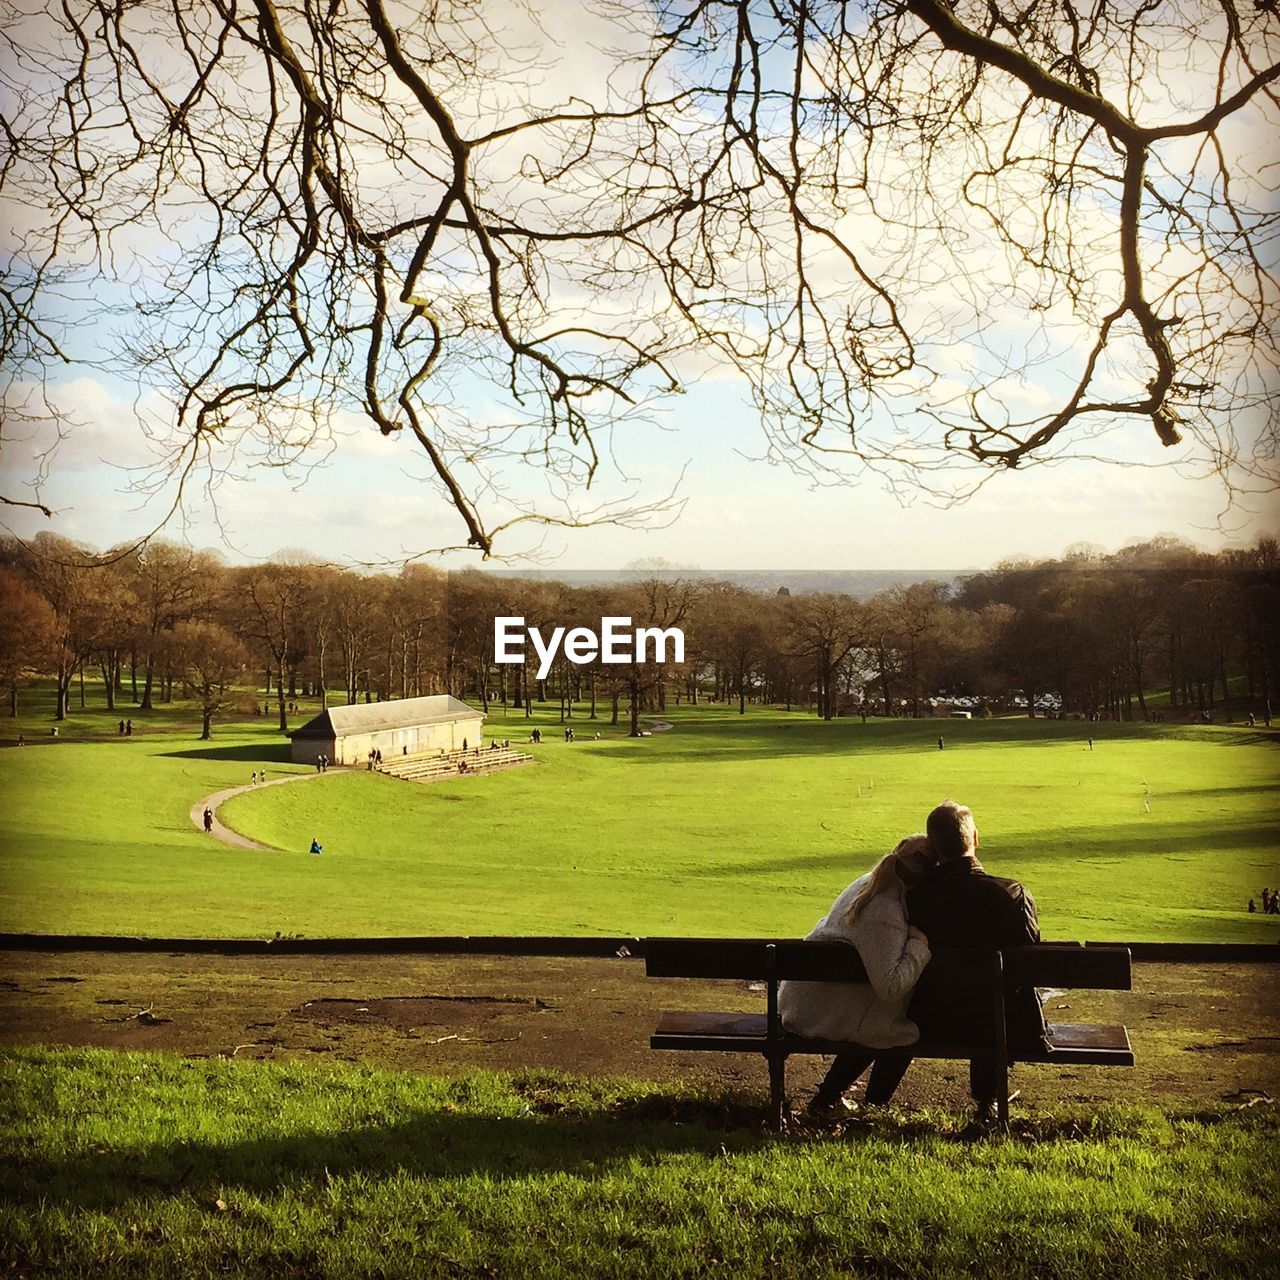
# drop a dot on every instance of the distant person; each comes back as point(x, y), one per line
point(1266, 902)
point(941, 744)
point(316, 847)
point(208, 820)
point(871, 916)
point(128, 728)
point(1253, 907)
point(22, 740)
point(122, 728)
point(464, 744)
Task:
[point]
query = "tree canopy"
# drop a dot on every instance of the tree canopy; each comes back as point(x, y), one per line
point(924, 235)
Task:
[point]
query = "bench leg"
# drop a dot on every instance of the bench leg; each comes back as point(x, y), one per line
point(777, 1088)
point(1002, 1095)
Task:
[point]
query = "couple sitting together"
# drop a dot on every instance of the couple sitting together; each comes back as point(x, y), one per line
point(930, 891)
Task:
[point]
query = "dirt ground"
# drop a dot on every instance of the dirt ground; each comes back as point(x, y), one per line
point(1201, 1033)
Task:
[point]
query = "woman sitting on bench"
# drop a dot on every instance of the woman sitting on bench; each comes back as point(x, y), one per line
point(870, 915)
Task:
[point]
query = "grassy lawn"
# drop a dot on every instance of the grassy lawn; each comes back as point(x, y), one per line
point(151, 1165)
point(724, 825)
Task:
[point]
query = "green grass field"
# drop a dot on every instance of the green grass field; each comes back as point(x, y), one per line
point(724, 825)
point(151, 1165)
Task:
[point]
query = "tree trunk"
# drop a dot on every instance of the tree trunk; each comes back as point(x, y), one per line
point(109, 673)
point(324, 692)
point(147, 683)
point(62, 708)
point(634, 690)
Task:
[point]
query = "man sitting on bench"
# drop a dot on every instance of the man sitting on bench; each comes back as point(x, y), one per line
point(957, 904)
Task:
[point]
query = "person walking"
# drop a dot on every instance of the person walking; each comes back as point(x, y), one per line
point(208, 821)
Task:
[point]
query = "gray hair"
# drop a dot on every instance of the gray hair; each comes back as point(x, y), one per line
point(952, 831)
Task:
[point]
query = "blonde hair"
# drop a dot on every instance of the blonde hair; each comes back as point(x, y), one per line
point(910, 859)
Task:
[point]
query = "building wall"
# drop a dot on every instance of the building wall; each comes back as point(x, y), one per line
point(309, 750)
point(353, 749)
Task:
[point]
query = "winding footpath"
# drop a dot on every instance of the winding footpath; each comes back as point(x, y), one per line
point(224, 833)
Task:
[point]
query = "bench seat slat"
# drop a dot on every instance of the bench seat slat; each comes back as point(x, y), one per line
point(1081, 1043)
point(1087, 1043)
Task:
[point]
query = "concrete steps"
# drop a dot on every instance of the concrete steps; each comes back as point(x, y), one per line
point(435, 767)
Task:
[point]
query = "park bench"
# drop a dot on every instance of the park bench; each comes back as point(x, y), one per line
point(990, 974)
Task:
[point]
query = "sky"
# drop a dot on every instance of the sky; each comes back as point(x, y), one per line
point(368, 503)
point(368, 500)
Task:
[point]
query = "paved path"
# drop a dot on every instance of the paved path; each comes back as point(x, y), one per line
point(224, 833)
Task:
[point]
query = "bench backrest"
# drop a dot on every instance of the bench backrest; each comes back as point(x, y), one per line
point(1053, 964)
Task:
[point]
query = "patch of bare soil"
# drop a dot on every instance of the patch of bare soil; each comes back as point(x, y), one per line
point(1201, 1033)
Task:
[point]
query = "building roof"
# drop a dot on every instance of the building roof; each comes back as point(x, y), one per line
point(399, 713)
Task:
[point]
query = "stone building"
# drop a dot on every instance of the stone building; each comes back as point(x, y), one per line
point(403, 726)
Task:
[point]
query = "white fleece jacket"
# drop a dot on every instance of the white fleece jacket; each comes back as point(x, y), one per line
point(873, 1014)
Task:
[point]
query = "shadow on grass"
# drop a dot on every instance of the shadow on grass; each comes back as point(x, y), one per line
point(275, 753)
point(434, 1144)
point(554, 1136)
point(846, 737)
point(1121, 841)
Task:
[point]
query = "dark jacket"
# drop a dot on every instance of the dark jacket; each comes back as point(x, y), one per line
point(958, 905)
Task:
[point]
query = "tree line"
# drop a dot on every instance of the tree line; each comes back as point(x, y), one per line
point(1088, 634)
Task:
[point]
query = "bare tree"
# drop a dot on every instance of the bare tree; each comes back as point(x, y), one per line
point(940, 203)
point(212, 660)
point(67, 576)
point(921, 231)
point(28, 628)
point(171, 584)
point(270, 600)
point(827, 629)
